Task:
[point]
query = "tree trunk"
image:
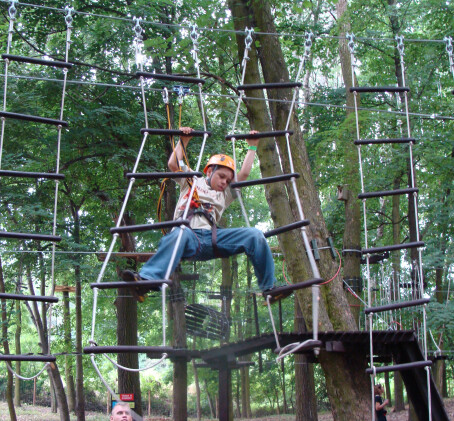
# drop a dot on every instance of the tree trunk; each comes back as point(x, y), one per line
point(9, 382)
point(68, 358)
point(197, 389)
point(346, 396)
point(17, 394)
point(210, 400)
point(352, 229)
point(306, 401)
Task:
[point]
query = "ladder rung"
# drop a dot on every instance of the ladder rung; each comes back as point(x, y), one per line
point(393, 306)
point(277, 85)
point(26, 357)
point(393, 247)
point(383, 141)
point(174, 132)
point(21, 297)
point(159, 175)
point(294, 287)
point(40, 61)
point(380, 89)
point(154, 284)
point(172, 78)
point(400, 367)
point(383, 193)
point(258, 135)
point(50, 176)
point(151, 351)
point(150, 227)
point(286, 228)
point(265, 180)
point(36, 119)
point(186, 276)
point(22, 236)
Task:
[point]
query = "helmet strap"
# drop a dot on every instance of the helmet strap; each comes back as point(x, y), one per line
point(214, 168)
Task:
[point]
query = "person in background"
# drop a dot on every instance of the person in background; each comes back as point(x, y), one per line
point(380, 404)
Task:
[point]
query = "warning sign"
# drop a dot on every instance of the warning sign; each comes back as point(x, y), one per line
point(127, 397)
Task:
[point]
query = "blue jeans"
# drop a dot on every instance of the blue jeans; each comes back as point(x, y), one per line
point(196, 245)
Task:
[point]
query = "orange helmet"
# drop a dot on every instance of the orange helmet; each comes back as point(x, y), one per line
point(222, 160)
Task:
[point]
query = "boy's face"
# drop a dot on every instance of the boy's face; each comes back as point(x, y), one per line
point(121, 413)
point(221, 178)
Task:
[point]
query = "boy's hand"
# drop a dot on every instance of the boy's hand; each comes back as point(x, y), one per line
point(187, 131)
point(253, 142)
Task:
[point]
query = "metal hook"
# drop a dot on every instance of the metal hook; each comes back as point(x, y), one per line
point(248, 40)
point(68, 18)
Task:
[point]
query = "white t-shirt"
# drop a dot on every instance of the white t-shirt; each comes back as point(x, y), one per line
point(215, 202)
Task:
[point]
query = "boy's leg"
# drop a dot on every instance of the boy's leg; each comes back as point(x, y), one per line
point(252, 242)
point(156, 267)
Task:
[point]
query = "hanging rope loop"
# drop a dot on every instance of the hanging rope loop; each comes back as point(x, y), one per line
point(69, 16)
point(165, 95)
point(12, 10)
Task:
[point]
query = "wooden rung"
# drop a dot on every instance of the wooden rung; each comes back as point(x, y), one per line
point(23, 236)
point(28, 357)
point(383, 141)
point(32, 60)
point(160, 175)
point(258, 135)
point(19, 174)
point(22, 297)
point(397, 305)
point(265, 180)
point(380, 89)
point(277, 85)
point(368, 195)
point(400, 367)
point(286, 228)
point(170, 78)
point(174, 132)
point(150, 285)
point(36, 119)
point(293, 287)
point(150, 227)
point(393, 247)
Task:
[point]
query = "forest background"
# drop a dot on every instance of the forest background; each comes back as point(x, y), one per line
point(105, 113)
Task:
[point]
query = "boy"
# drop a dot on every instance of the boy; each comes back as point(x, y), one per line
point(204, 240)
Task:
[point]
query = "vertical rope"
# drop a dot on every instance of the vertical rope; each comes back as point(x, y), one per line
point(351, 45)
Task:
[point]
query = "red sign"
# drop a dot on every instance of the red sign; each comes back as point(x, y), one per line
point(127, 397)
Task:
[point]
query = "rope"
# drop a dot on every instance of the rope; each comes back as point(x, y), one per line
point(136, 370)
point(15, 374)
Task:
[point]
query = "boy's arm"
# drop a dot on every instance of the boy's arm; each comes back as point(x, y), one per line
point(177, 154)
point(243, 174)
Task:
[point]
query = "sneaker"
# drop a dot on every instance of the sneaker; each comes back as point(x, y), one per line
point(130, 276)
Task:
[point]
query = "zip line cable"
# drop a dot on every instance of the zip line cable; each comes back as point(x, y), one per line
point(220, 30)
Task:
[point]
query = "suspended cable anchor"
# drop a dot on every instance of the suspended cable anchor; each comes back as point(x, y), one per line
point(248, 39)
point(400, 44)
point(308, 45)
point(181, 91)
point(69, 18)
point(351, 42)
point(165, 95)
point(12, 9)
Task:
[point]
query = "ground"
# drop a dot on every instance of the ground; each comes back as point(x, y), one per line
point(39, 413)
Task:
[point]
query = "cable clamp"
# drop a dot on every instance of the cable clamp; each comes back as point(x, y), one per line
point(138, 29)
point(248, 39)
point(69, 18)
point(308, 44)
point(351, 42)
